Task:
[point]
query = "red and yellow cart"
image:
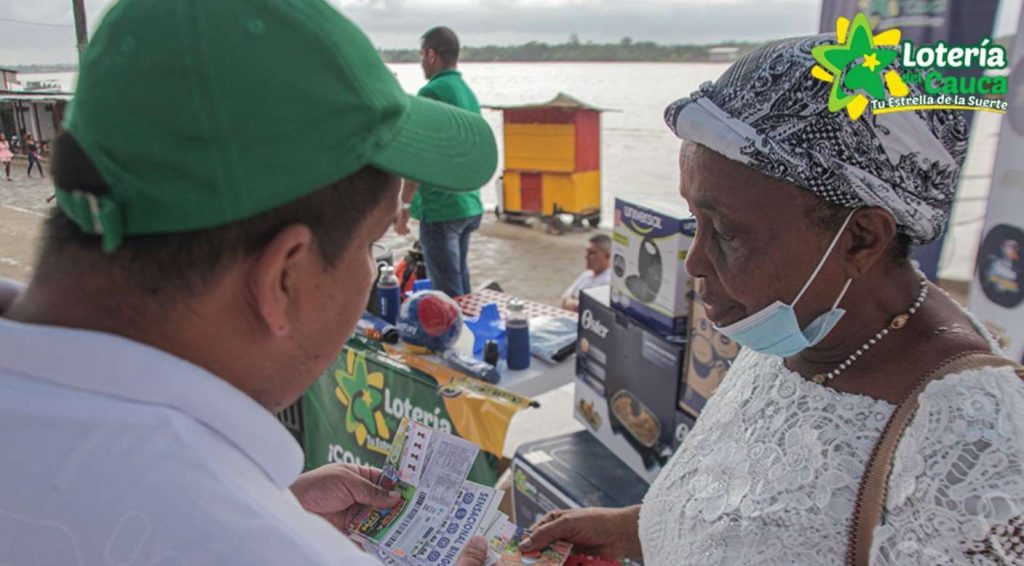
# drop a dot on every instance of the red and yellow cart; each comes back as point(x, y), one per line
point(552, 163)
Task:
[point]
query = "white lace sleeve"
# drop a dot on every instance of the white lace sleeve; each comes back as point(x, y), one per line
point(956, 493)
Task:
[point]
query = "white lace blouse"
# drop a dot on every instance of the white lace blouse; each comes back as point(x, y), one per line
point(770, 473)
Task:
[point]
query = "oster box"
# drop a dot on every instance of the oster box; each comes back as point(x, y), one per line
point(649, 281)
point(627, 386)
point(596, 349)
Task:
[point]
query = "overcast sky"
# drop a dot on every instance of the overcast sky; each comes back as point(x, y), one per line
point(399, 23)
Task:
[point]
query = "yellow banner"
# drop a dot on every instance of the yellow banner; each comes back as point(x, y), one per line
point(480, 411)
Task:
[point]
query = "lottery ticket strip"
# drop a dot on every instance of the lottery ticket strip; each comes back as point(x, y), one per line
point(440, 510)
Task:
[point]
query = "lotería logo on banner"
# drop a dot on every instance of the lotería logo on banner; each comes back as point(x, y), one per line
point(860, 68)
point(369, 404)
point(362, 394)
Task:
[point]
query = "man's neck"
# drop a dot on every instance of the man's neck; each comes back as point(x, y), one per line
point(444, 70)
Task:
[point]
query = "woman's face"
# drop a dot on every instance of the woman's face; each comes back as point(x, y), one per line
point(755, 241)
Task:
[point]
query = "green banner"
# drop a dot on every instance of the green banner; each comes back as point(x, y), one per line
point(352, 412)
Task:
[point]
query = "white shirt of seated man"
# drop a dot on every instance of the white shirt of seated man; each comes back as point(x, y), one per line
point(597, 273)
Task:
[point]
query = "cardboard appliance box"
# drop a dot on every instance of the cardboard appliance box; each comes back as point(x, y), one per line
point(567, 472)
point(649, 281)
point(628, 381)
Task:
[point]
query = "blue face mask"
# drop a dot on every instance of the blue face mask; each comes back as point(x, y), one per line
point(775, 328)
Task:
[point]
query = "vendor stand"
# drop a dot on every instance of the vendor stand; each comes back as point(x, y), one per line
point(350, 413)
point(552, 163)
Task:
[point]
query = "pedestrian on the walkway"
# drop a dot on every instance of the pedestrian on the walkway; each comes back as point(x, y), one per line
point(33, 155)
point(6, 155)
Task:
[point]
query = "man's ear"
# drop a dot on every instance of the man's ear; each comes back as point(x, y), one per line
point(277, 274)
point(873, 230)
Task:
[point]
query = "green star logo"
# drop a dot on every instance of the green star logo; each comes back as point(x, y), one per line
point(862, 66)
point(362, 394)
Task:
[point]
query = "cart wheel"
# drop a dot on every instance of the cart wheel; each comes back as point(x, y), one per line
point(577, 221)
point(594, 220)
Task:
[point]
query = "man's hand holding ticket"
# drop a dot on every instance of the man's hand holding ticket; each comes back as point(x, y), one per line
point(440, 511)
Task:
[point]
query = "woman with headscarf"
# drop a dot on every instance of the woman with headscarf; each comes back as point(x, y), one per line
point(805, 219)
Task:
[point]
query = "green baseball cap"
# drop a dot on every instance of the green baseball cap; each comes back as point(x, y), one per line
point(199, 113)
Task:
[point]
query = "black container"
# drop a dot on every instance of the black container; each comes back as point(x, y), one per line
point(382, 255)
point(491, 352)
point(567, 472)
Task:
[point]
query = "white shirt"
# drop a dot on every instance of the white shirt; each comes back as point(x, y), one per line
point(113, 452)
point(770, 473)
point(586, 280)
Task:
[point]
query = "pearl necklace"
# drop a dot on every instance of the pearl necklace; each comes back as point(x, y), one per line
point(898, 322)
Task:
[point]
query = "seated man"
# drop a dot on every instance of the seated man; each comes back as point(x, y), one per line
point(599, 253)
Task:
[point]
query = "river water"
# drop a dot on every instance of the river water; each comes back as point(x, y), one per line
point(638, 152)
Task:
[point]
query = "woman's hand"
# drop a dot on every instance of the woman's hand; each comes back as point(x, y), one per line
point(596, 531)
point(337, 492)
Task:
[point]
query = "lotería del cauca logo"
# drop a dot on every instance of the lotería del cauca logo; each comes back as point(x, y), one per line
point(860, 67)
point(362, 394)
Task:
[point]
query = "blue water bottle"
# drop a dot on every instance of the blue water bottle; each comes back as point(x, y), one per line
point(390, 294)
point(517, 330)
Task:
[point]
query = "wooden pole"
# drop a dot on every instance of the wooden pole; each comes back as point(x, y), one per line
point(81, 30)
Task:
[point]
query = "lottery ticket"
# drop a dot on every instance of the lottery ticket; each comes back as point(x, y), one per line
point(440, 510)
point(473, 510)
point(503, 548)
point(428, 469)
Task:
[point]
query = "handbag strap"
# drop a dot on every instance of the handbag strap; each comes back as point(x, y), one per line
point(870, 504)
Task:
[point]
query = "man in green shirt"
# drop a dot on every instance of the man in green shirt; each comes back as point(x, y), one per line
point(446, 219)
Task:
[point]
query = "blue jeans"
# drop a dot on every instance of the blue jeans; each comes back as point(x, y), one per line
point(33, 160)
point(446, 253)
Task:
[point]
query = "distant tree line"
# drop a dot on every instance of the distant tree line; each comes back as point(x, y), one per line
point(574, 50)
point(43, 68)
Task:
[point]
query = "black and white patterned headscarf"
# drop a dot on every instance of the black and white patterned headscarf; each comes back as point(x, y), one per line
point(767, 112)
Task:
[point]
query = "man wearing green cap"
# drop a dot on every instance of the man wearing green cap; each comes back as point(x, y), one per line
point(185, 292)
point(447, 219)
